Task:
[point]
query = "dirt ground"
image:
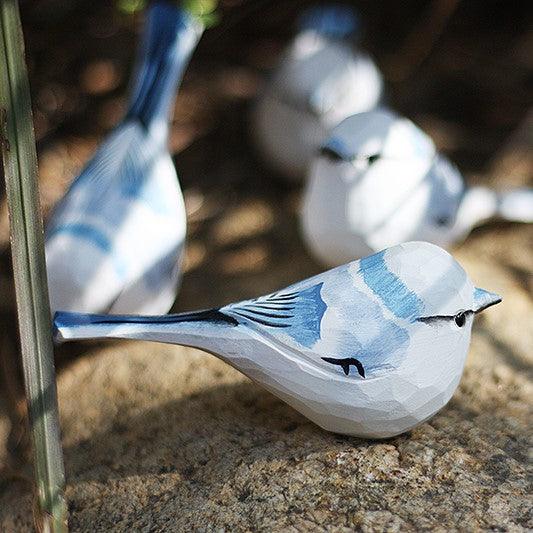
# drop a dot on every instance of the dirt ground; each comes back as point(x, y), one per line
point(161, 438)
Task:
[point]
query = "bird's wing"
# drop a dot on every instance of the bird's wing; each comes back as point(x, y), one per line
point(114, 171)
point(332, 319)
point(119, 218)
point(447, 189)
point(297, 311)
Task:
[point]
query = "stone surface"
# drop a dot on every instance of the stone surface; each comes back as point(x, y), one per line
point(169, 438)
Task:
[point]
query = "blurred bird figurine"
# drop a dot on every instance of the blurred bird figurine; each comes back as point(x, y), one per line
point(371, 348)
point(114, 242)
point(377, 181)
point(321, 80)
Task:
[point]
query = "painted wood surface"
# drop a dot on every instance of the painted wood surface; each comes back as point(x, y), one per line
point(371, 348)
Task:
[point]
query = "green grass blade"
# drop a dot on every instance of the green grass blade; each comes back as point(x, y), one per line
point(27, 243)
point(205, 10)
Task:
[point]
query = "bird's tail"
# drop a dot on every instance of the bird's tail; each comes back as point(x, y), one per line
point(170, 36)
point(516, 205)
point(481, 203)
point(176, 329)
point(334, 21)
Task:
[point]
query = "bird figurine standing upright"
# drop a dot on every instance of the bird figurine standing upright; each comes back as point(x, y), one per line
point(378, 181)
point(114, 242)
point(322, 79)
point(371, 348)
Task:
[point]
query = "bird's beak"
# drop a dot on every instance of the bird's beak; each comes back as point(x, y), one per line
point(484, 299)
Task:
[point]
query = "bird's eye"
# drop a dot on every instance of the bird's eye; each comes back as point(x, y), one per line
point(373, 158)
point(460, 319)
point(329, 153)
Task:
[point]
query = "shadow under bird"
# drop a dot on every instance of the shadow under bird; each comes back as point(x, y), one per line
point(378, 181)
point(114, 242)
point(322, 79)
point(371, 348)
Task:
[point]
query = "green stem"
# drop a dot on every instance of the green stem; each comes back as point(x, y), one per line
point(27, 244)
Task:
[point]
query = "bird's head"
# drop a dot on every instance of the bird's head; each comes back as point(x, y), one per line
point(378, 159)
point(427, 282)
point(424, 287)
point(365, 142)
point(332, 21)
point(394, 346)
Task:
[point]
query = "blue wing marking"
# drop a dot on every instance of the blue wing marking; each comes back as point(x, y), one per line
point(298, 313)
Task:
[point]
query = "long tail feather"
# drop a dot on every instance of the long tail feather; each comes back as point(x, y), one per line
point(516, 205)
point(481, 203)
point(77, 326)
point(169, 40)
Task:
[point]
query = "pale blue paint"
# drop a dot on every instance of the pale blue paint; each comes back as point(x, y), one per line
point(308, 310)
point(86, 233)
point(358, 330)
point(148, 192)
point(365, 333)
point(297, 313)
point(335, 21)
point(420, 142)
point(401, 301)
point(162, 270)
point(340, 147)
point(358, 327)
point(484, 299)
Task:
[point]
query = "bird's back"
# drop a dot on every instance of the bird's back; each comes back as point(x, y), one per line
point(334, 315)
point(366, 310)
point(121, 215)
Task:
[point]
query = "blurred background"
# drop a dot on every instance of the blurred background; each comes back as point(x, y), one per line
point(461, 70)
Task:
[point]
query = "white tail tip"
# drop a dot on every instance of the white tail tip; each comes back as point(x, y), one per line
point(516, 205)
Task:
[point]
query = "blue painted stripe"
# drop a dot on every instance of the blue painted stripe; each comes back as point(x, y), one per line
point(68, 319)
point(401, 301)
point(86, 232)
point(338, 146)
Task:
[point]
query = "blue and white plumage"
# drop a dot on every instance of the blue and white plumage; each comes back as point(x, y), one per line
point(321, 80)
point(371, 348)
point(114, 242)
point(379, 181)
